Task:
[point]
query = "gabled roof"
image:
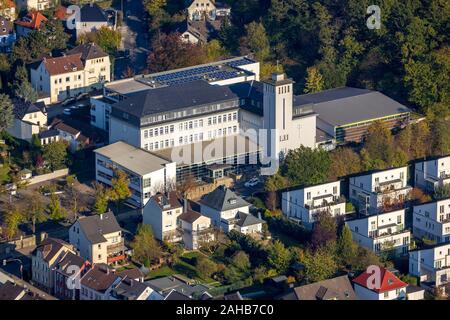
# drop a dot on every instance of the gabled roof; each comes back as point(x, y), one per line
point(33, 20)
point(338, 288)
point(96, 226)
point(175, 295)
point(128, 289)
point(245, 219)
point(167, 201)
point(22, 108)
point(99, 278)
point(70, 259)
point(190, 216)
point(63, 64)
point(11, 291)
point(92, 13)
point(222, 199)
point(65, 127)
point(48, 133)
point(388, 281)
point(88, 51)
point(50, 247)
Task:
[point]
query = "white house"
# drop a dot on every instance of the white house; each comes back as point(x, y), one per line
point(161, 212)
point(29, 119)
point(381, 232)
point(196, 229)
point(432, 220)
point(31, 5)
point(79, 70)
point(147, 172)
point(207, 9)
point(229, 211)
point(92, 18)
point(381, 190)
point(302, 203)
point(75, 139)
point(98, 238)
point(386, 287)
point(431, 265)
point(433, 173)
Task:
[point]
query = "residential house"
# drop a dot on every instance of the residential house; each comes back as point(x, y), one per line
point(7, 34)
point(338, 288)
point(49, 136)
point(30, 5)
point(44, 259)
point(381, 232)
point(207, 9)
point(84, 68)
point(162, 212)
point(67, 276)
point(147, 172)
point(29, 119)
point(229, 211)
point(32, 21)
point(92, 18)
point(74, 137)
point(379, 286)
point(432, 220)
point(98, 238)
point(13, 291)
point(175, 287)
point(130, 289)
point(432, 266)
point(432, 173)
point(379, 190)
point(302, 203)
point(189, 33)
point(97, 282)
point(8, 9)
point(195, 228)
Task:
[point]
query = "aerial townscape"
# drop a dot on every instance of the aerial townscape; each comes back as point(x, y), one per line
point(236, 150)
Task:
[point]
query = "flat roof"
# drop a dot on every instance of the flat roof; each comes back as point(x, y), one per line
point(344, 106)
point(134, 159)
point(226, 146)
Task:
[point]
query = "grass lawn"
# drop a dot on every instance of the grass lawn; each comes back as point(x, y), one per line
point(164, 271)
point(287, 240)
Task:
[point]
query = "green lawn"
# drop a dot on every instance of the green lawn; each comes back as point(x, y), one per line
point(164, 271)
point(287, 240)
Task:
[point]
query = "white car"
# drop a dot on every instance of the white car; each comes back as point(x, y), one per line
point(67, 111)
point(252, 182)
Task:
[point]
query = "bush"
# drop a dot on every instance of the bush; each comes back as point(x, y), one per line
point(349, 207)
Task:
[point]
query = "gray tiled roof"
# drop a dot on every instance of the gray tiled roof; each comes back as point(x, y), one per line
point(246, 219)
point(88, 51)
point(95, 226)
point(223, 199)
point(92, 13)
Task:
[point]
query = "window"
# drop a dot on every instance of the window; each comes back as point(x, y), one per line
point(172, 128)
point(386, 294)
point(150, 132)
point(308, 195)
point(146, 134)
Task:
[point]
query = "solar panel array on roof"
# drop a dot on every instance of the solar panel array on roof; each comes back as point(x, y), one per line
point(240, 62)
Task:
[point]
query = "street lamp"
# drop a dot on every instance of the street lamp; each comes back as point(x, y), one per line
point(5, 261)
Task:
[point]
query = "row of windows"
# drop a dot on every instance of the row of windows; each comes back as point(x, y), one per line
point(159, 131)
point(75, 78)
point(222, 118)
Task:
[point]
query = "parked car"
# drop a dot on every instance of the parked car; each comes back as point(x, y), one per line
point(67, 111)
point(68, 101)
point(252, 182)
point(82, 95)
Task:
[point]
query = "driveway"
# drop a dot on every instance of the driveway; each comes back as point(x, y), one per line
point(134, 31)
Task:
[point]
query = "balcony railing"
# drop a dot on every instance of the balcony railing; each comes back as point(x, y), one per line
point(377, 235)
point(336, 200)
point(115, 248)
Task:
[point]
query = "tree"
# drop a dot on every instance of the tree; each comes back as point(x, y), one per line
point(214, 51)
point(347, 249)
point(35, 211)
point(378, 152)
point(13, 218)
point(101, 198)
point(241, 260)
point(325, 229)
point(260, 274)
point(6, 112)
point(145, 248)
point(120, 190)
point(278, 256)
point(442, 192)
point(314, 81)
point(108, 39)
point(25, 91)
point(306, 166)
point(55, 154)
point(344, 161)
point(72, 194)
point(185, 186)
point(255, 41)
point(204, 266)
point(273, 184)
point(319, 265)
point(169, 52)
point(54, 208)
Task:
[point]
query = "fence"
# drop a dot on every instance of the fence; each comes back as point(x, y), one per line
point(48, 176)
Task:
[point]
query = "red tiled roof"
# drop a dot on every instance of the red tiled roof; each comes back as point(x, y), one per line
point(9, 4)
point(64, 64)
point(388, 281)
point(61, 13)
point(36, 18)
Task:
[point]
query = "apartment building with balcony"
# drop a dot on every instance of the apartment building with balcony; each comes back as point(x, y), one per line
point(431, 265)
point(195, 229)
point(98, 238)
point(379, 190)
point(148, 173)
point(302, 203)
point(162, 212)
point(81, 69)
point(432, 220)
point(381, 232)
point(40, 5)
point(229, 211)
point(432, 173)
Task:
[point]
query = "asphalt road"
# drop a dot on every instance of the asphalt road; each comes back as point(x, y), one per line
point(134, 31)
